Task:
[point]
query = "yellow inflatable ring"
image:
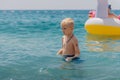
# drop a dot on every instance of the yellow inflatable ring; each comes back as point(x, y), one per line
point(105, 26)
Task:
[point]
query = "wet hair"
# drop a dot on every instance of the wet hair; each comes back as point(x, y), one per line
point(68, 22)
point(109, 6)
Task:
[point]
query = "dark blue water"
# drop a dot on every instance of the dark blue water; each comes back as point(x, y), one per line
point(29, 41)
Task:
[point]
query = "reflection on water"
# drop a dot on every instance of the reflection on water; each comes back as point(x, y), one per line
point(100, 43)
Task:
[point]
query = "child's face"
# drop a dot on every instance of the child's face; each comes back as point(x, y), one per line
point(67, 30)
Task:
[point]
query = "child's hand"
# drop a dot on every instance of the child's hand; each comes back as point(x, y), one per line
point(59, 52)
point(68, 59)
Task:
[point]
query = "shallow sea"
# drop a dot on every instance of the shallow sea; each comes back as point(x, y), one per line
point(29, 40)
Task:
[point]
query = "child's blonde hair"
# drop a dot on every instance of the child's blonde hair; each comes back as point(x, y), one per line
point(68, 22)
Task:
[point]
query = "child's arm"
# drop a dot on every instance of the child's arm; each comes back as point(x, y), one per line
point(112, 15)
point(76, 47)
point(61, 50)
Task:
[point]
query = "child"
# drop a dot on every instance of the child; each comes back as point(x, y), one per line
point(70, 49)
point(110, 14)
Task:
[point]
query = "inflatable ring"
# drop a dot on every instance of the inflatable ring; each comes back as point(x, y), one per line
point(103, 26)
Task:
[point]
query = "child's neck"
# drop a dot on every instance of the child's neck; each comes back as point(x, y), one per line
point(69, 35)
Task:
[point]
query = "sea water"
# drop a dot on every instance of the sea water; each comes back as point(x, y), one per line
point(30, 39)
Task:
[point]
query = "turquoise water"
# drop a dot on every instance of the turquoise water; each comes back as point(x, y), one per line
point(29, 41)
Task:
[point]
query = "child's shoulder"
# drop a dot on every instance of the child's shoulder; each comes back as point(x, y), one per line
point(75, 38)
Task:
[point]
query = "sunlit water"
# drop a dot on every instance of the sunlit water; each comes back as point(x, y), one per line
point(29, 41)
